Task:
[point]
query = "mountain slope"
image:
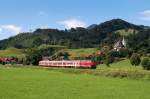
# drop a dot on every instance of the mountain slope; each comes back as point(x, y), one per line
point(73, 38)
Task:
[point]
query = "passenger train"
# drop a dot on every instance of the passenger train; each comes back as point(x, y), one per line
point(69, 63)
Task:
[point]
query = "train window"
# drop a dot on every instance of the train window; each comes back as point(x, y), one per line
point(55, 64)
point(59, 63)
point(49, 63)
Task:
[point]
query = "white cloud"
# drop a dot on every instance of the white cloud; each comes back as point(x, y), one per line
point(73, 23)
point(146, 15)
point(0, 30)
point(10, 28)
point(42, 13)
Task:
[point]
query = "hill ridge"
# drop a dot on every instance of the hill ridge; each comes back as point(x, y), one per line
point(73, 38)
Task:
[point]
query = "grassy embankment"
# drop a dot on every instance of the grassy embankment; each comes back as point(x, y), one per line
point(12, 52)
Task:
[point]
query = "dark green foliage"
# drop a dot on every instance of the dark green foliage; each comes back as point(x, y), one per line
point(114, 53)
point(46, 50)
point(33, 56)
point(109, 59)
point(37, 42)
point(97, 58)
point(121, 53)
point(146, 63)
point(63, 55)
point(135, 59)
point(124, 52)
point(140, 41)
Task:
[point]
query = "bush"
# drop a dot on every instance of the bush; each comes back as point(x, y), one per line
point(33, 56)
point(135, 59)
point(114, 53)
point(123, 52)
point(108, 60)
point(146, 63)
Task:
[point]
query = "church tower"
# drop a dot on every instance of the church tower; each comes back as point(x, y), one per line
point(120, 44)
point(124, 42)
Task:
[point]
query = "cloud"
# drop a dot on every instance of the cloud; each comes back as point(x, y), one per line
point(42, 13)
point(73, 23)
point(10, 28)
point(0, 30)
point(146, 15)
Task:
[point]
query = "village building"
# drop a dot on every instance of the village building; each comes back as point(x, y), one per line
point(120, 44)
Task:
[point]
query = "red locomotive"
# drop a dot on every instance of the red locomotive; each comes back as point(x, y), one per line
point(69, 63)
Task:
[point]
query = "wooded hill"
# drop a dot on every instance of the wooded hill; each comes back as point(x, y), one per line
point(107, 33)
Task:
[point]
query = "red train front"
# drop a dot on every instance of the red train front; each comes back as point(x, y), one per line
point(69, 63)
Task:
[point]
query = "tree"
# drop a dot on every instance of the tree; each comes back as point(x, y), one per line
point(63, 55)
point(135, 59)
point(123, 52)
point(114, 53)
point(33, 56)
point(37, 42)
point(146, 63)
point(46, 50)
point(97, 58)
point(108, 59)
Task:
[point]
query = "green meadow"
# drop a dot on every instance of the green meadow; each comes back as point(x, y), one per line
point(119, 81)
point(12, 52)
point(125, 32)
point(39, 83)
point(121, 65)
point(82, 52)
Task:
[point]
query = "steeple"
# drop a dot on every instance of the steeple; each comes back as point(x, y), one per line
point(120, 44)
point(124, 42)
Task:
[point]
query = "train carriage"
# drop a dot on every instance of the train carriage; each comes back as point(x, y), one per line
point(68, 63)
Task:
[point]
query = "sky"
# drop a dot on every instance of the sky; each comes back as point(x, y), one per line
point(17, 16)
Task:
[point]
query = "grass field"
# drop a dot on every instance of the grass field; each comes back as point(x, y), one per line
point(82, 52)
point(12, 52)
point(124, 32)
point(122, 65)
point(35, 83)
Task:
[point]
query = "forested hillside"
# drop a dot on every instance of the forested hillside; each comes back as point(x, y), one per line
point(107, 33)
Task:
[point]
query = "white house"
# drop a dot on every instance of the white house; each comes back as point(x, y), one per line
point(120, 44)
